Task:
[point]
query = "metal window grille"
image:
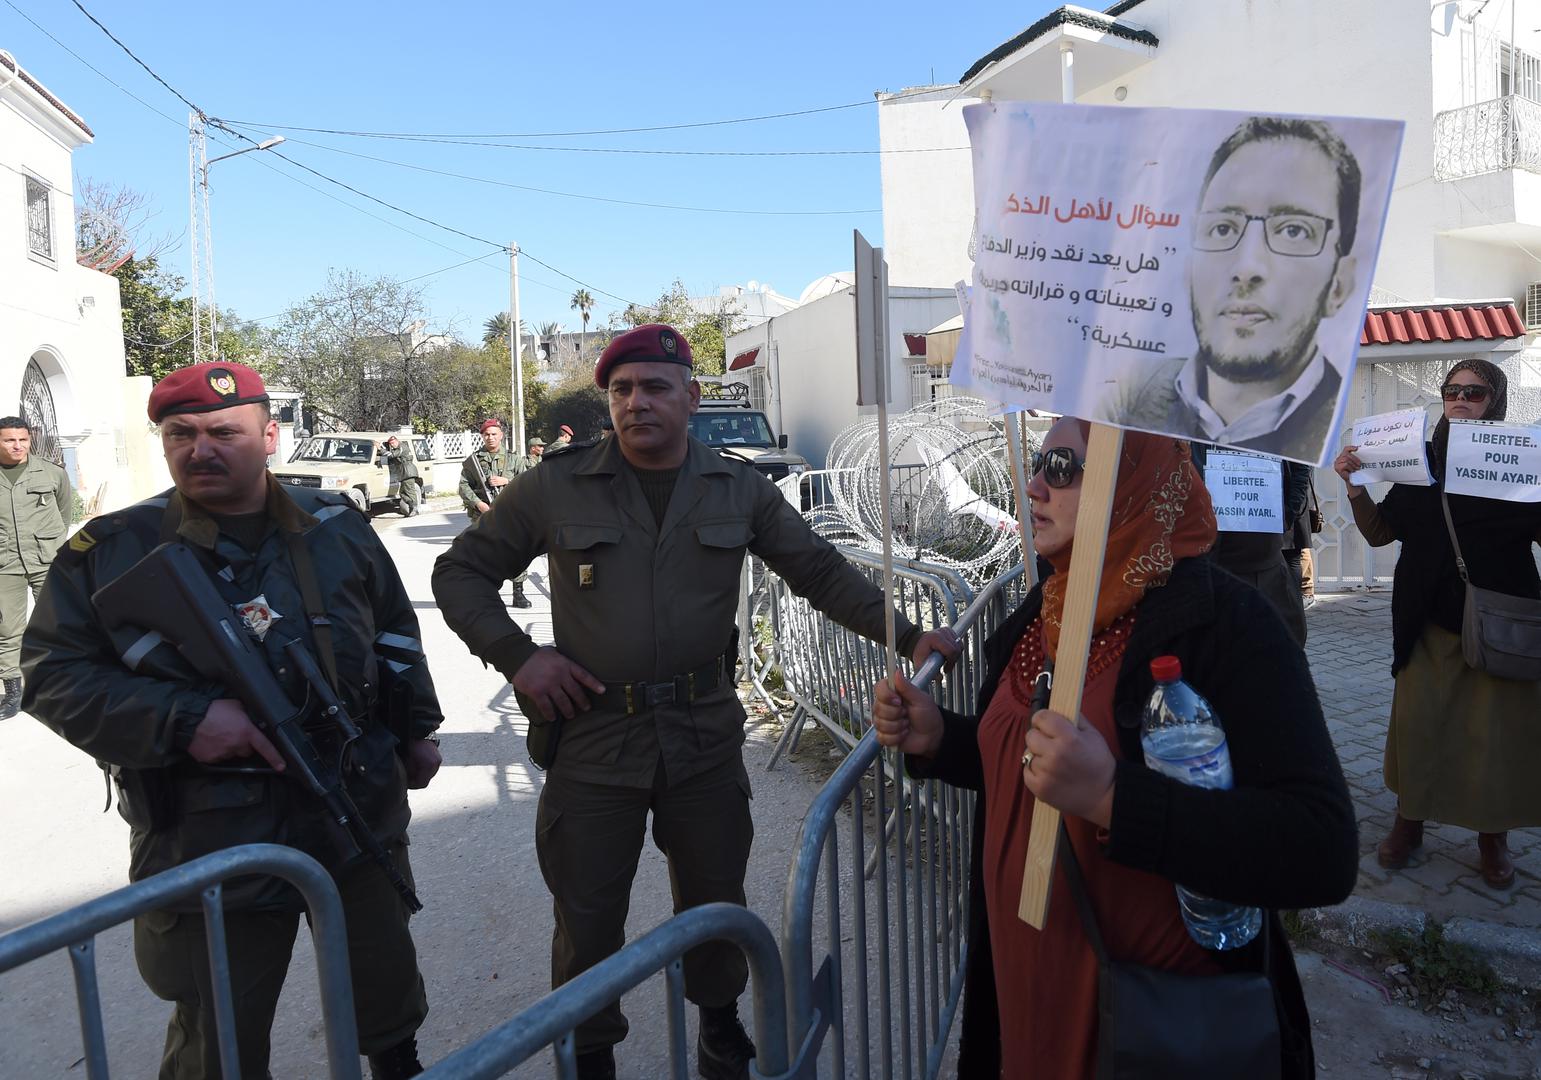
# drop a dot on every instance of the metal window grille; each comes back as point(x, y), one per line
point(39, 220)
point(1533, 306)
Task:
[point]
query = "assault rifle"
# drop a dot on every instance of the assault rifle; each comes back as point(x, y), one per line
point(487, 490)
point(170, 592)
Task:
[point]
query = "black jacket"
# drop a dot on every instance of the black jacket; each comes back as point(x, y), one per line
point(1283, 837)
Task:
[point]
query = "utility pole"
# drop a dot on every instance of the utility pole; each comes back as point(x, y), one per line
point(516, 422)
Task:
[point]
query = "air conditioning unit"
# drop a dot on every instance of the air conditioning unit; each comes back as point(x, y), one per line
point(1533, 307)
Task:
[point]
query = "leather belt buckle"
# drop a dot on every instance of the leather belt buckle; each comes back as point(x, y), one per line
point(656, 694)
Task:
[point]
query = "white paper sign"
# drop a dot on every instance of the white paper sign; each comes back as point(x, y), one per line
point(1247, 491)
point(1114, 282)
point(1392, 449)
point(1493, 460)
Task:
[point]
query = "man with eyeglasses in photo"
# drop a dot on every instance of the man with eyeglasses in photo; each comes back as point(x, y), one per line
point(1272, 257)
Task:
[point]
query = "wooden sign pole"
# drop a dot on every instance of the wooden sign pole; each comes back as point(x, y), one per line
point(1104, 450)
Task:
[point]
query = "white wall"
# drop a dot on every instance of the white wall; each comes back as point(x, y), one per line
point(62, 315)
point(813, 348)
point(926, 224)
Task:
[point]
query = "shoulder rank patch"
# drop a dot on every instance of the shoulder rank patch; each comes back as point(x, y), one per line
point(82, 541)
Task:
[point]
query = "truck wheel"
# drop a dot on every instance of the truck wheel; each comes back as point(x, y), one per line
point(360, 500)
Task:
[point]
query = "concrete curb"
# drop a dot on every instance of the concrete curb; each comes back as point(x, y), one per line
point(1513, 951)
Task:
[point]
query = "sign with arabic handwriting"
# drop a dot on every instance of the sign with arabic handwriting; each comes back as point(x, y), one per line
point(1392, 449)
point(1247, 491)
point(1493, 460)
point(1195, 273)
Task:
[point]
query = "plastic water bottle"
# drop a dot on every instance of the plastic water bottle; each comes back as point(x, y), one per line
point(1183, 740)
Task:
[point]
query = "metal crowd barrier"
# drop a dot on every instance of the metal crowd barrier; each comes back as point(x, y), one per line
point(893, 940)
point(552, 1020)
point(76, 930)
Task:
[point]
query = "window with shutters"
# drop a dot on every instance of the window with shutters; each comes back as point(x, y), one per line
point(39, 220)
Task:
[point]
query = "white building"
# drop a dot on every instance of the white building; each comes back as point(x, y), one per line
point(61, 328)
point(800, 366)
point(1461, 254)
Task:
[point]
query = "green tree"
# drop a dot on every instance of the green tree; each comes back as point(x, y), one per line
point(158, 323)
point(707, 330)
point(583, 303)
point(575, 401)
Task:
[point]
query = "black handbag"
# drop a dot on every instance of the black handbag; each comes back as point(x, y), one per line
point(1154, 1024)
point(1500, 634)
point(1318, 520)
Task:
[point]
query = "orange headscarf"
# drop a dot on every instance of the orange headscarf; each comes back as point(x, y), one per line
point(1161, 513)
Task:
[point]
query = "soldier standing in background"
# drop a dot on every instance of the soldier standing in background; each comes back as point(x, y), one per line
point(403, 468)
point(193, 773)
point(635, 703)
point(564, 435)
point(36, 504)
point(483, 475)
point(537, 450)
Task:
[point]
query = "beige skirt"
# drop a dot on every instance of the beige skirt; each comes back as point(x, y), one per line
point(1463, 747)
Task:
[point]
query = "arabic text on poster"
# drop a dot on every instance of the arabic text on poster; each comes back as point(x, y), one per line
point(1392, 448)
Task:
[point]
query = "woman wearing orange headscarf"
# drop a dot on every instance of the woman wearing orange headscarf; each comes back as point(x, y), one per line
point(1282, 837)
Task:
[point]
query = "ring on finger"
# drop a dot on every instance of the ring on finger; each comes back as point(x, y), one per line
point(1027, 760)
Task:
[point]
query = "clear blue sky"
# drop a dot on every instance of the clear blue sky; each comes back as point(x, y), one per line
point(475, 68)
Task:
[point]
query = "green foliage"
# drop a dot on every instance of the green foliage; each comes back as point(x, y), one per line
point(583, 303)
point(1436, 964)
point(158, 323)
point(707, 332)
point(575, 401)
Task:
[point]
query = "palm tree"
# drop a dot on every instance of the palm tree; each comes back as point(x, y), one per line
point(583, 303)
point(496, 329)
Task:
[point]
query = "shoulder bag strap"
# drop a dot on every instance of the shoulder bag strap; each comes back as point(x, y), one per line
point(1083, 902)
point(1460, 563)
point(315, 610)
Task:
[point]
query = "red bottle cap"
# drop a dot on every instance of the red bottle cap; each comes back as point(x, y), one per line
point(1166, 669)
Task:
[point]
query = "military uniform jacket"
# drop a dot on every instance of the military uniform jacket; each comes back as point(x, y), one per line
point(34, 515)
point(402, 465)
point(634, 602)
point(129, 699)
point(500, 464)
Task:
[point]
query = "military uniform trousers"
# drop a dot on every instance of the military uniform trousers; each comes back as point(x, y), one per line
point(389, 999)
point(589, 839)
point(13, 615)
point(410, 491)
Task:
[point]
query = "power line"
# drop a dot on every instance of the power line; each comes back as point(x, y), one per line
point(576, 195)
point(653, 153)
point(586, 285)
point(174, 91)
point(573, 134)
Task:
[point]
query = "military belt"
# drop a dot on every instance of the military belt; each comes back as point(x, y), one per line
point(637, 697)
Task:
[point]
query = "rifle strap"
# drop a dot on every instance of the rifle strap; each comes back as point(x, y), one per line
point(315, 609)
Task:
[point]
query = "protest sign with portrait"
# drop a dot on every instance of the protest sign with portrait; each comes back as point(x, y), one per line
point(1189, 272)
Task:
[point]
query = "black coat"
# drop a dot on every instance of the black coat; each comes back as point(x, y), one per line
point(1283, 837)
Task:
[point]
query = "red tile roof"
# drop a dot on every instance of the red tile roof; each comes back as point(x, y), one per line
point(1418, 323)
point(46, 96)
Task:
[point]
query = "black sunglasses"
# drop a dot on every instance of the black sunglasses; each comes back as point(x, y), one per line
point(1059, 466)
point(1467, 391)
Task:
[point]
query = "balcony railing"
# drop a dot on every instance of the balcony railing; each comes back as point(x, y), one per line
point(1492, 136)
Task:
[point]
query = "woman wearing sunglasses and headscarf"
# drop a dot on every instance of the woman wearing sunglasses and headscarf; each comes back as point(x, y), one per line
point(1282, 837)
point(1462, 745)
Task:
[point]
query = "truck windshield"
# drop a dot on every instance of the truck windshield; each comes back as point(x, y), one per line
point(731, 429)
point(353, 451)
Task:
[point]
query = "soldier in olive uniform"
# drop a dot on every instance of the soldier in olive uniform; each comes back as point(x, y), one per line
point(312, 568)
point(646, 534)
point(36, 502)
point(483, 475)
point(537, 451)
point(403, 468)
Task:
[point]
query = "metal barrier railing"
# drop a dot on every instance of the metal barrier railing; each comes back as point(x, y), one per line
point(76, 930)
point(829, 671)
point(914, 940)
point(552, 1020)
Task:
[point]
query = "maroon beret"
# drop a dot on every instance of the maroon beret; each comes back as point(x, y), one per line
point(490, 422)
point(205, 388)
point(653, 342)
point(565, 430)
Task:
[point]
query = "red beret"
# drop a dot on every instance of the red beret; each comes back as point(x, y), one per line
point(205, 388)
point(653, 342)
point(565, 430)
point(490, 422)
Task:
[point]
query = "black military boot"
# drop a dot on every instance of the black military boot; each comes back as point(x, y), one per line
point(10, 704)
point(397, 1063)
point(519, 599)
point(724, 1049)
point(597, 1064)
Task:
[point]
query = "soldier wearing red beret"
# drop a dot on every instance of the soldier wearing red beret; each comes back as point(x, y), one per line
point(633, 709)
point(192, 771)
